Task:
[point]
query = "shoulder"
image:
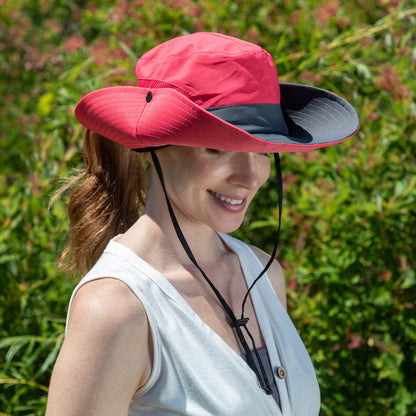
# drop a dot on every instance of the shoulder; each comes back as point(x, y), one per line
point(108, 324)
point(108, 303)
point(107, 315)
point(106, 355)
point(275, 274)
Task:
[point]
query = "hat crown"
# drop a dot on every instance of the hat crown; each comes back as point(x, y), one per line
point(212, 69)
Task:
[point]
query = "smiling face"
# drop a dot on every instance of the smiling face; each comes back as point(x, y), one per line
point(211, 187)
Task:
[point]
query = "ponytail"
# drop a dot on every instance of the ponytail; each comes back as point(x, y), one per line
point(111, 192)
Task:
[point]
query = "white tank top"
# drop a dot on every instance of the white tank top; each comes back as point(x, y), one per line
point(195, 372)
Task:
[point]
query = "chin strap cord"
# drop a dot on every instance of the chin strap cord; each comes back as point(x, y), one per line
point(237, 324)
point(279, 181)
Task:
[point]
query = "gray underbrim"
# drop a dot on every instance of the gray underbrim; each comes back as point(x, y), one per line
point(307, 115)
point(257, 119)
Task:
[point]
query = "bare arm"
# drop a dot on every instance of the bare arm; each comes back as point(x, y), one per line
point(106, 355)
point(275, 273)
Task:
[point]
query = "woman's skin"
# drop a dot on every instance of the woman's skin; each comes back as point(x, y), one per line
point(107, 353)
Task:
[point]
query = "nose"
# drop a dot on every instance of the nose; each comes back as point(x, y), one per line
point(250, 170)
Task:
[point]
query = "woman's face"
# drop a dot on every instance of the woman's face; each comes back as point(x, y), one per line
point(212, 187)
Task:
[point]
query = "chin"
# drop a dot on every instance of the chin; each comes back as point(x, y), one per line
point(228, 228)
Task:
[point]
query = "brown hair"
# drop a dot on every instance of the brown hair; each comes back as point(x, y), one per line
point(111, 191)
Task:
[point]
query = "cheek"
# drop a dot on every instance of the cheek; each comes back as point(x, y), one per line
point(187, 180)
point(264, 172)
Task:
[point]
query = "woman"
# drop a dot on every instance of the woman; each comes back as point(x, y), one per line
point(175, 316)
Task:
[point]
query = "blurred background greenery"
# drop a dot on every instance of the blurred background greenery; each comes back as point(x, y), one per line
point(348, 239)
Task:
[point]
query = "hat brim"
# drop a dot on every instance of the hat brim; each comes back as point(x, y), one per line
point(142, 118)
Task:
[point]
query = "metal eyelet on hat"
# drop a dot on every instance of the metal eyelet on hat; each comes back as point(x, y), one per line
point(149, 97)
point(281, 373)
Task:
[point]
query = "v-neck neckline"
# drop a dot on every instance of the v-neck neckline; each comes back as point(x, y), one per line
point(163, 283)
point(174, 294)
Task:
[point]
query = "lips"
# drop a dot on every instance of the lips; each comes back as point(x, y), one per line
point(226, 199)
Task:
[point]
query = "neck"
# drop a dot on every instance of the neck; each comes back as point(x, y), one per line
point(154, 239)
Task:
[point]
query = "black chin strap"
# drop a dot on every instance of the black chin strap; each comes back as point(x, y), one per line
point(279, 181)
point(237, 324)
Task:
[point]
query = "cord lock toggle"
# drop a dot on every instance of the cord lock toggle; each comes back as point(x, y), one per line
point(239, 322)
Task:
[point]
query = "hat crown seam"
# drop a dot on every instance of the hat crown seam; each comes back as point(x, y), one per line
point(213, 52)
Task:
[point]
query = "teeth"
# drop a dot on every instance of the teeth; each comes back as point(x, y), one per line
point(228, 200)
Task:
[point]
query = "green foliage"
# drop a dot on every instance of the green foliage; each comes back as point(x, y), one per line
point(348, 237)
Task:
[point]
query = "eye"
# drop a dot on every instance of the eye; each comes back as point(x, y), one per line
point(216, 151)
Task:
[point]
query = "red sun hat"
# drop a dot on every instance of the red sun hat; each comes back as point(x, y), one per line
point(215, 91)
